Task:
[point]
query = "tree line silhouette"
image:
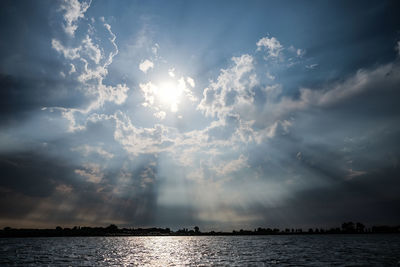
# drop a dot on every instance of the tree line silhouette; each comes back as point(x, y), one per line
point(113, 230)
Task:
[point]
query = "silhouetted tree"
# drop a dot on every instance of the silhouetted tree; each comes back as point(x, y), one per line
point(348, 227)
point(112, 228)
point(360, 227)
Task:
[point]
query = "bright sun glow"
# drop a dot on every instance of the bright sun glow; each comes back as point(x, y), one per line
point(170, 93)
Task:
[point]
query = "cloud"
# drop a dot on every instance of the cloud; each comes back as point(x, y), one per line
point(300, 52)
point(233, 91)
point(89, 64)
point(155, 49)
point(146, 65)
point(160, 115)
point(72, 69)
point(69, 53)
point(363, 82)
point(311, 66)
point(140, 140)
point(269, 76)
point(279, 135)
point(149, 90)
point(92, 50)
point(73, 11)
point(352, 173)
point(87, 150)
point(232, 166)
point(48, 190)
point(34, 173)
point(171, 72)
point(297, 51)
point(271, 45)
point(397, 48)
point(92, 172)
point(23, 97)
point(190, 81)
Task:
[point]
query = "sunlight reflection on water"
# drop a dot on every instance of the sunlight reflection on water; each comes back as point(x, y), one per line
point(361, 250)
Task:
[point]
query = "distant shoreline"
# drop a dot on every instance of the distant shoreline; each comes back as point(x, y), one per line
point(113, 230)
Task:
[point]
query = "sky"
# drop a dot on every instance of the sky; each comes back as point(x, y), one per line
point(221, 114)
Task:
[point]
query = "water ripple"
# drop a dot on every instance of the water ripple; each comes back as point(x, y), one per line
point(337, 250)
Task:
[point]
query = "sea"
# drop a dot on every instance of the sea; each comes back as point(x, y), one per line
point(276, 250)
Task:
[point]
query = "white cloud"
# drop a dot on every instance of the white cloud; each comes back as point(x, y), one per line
point(271, 45)
point(149, 90)
point(233, 91)
point(112, 39)
point(73, 11)
point(297, 51)
point(72, 70)
point(155, 48)
point(92, 50)
point(311, 66)
point(272, 92)
point(188, 91)
point(270, 76)
point(182, 83)
point(231, 166)
point(86, 150)
point(171, 72)
point(277, 128)
point(92, 172)
point(68, 53)
point(146, 65)
point(139, 140)
point(116, 94)
point(190, 81)
point(160, 115)
point(90, 63)
point(300, 52)
point(70, 115)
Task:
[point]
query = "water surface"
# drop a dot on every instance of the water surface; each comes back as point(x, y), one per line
point(337, 250)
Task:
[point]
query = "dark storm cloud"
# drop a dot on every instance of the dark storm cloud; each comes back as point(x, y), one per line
point(23, 97)
point(366, 198)
point(15, 206)
point(34, 173)
point(33, 179)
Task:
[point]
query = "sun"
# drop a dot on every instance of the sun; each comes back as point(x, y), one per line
point(169, 93)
